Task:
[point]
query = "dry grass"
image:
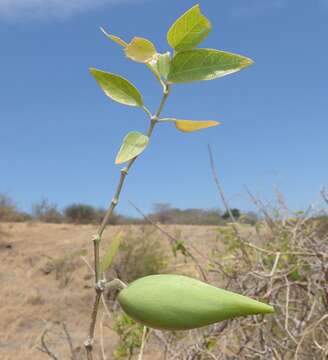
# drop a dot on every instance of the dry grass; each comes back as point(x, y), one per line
point(47, 290)
point(45, 283)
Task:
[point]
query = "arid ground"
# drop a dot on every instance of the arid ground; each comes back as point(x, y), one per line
point(45, 281)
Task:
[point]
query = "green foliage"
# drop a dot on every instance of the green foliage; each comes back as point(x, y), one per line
point(112, 250)
point(80, 213)
point(140, 255)
point(117, 88)
point(204, 64)
point(179, 246)
point(188, 65)
point(235, 213)
point(133, 145)
point(130, 334)
point(189, 30)
point(229, 239)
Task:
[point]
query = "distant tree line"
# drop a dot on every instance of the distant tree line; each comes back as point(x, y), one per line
point(79, 213)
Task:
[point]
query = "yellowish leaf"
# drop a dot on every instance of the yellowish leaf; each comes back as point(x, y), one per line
point(191, 125)
point(140, 50)
point(114, 38)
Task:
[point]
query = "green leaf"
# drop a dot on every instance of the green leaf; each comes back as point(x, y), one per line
point(140, 50)
point(205, 64)
point(189, 30)
point(118, 88)
point(111, 252)
point(133, 144)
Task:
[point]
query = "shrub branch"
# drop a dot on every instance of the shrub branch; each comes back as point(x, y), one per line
point(99, 280)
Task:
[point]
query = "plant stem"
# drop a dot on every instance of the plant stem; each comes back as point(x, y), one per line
point(99, 281)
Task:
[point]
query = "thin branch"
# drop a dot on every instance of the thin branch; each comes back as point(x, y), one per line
point(101, 325)
point(218, 184)
point(311, 328)
point(45, 348)
point(88, 264)
point(97, 238)
point(261, 208)
point(143, 342)
point(69, 341)
point(287, 310)
point(225, 203)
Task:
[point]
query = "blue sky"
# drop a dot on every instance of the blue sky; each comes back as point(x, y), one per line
point(60, 134)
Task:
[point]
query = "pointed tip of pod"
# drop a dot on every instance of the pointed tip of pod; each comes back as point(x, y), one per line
point(256, 307)
point(175, 302)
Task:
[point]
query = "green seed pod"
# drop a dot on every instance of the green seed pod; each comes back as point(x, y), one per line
point(175, 302)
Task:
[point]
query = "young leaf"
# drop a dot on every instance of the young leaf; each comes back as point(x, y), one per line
point(163, 64)
point(114, 38)
point(133, 144)
point(204, 64)
point(189, 30)
point(111, 252)
point(152, 66)
point(193, 125)
point(140, 50)
point(118, 88)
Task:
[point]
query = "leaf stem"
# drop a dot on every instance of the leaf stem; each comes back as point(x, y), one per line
point(147, 111)
point(99, 277)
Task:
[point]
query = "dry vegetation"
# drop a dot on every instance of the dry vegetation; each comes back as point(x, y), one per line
point(45, 283)
point(46, 289)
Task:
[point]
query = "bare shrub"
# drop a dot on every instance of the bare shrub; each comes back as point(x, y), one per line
point(284, 264)
point(9, 211)
point(47, 212)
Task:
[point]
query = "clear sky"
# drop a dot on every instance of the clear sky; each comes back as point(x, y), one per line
point(60, 134)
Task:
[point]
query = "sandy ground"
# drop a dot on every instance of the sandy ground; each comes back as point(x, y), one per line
point(44, 281)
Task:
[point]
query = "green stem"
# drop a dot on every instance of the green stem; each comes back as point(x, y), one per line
point(99, 286)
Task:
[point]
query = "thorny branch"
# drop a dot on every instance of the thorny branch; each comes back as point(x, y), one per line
point(288, 265)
